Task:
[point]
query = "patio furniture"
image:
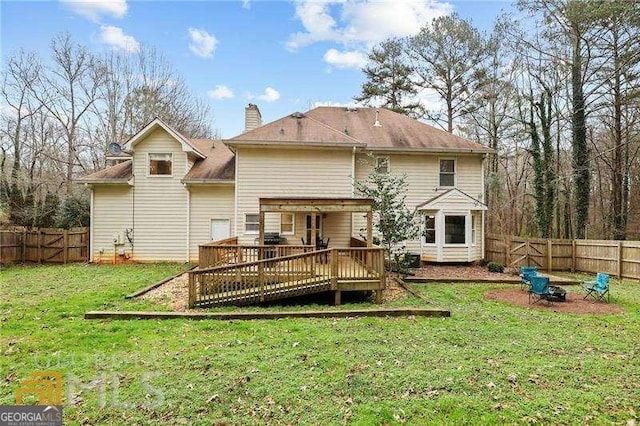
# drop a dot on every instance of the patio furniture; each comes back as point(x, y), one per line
point(526, 272)
point(598, 288)
point(539, 289)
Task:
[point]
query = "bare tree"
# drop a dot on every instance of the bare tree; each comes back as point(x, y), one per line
point(447, 56)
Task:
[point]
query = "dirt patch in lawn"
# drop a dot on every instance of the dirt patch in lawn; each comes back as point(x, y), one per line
point(574, 304)
point(175, 293)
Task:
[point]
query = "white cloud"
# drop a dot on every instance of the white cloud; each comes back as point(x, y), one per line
point(94, 9)
point(246, 4)
point(346, 59)
point(270, 94)
point(362, 22)
point(221, 92)
point(117, 39)
point(202, 43)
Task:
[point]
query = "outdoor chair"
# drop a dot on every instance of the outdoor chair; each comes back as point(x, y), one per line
point(598, 288)
point(526, 272)
point(539, 289)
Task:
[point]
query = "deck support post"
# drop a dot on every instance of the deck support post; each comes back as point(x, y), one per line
point(337, 297)
point(369, 228)
point(378, 296)
point(261, 226)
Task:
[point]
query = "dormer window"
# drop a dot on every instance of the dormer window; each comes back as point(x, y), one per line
point(382, 165)
point(160, 164)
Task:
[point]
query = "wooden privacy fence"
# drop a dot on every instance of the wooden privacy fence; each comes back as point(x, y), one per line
point(49, 245)
point(619, 258)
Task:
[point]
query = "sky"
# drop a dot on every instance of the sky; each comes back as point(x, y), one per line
point(284, 56)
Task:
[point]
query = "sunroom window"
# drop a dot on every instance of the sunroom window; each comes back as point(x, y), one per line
point(430, 229)
point(455, 230)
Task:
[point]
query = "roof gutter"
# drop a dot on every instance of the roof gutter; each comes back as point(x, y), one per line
point(482, 150)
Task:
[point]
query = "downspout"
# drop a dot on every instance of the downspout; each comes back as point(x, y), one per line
point(353, 184)
point(91, 224)
point(484, 200)
point(235, 196)
point(188, 221)
point(483, 236)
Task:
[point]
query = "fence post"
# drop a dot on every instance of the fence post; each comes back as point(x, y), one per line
point(65, 246)
point(549, 255)
point(619, 266)
point(507, 255)
point(24, 244)
point(39, 246)
point(573, 256)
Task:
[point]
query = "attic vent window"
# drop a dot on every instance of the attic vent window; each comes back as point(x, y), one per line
point(160, 164)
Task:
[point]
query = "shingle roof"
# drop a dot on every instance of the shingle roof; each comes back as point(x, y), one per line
point(120, 173)
point(357, 126)
point(219, 163)
point(395, 131)
point(295, 129)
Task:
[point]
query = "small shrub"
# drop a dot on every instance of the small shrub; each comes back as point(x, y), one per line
point(483, 262)
point(495, 267)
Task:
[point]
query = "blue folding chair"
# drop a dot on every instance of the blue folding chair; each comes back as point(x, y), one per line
point(598, 288)
point(526, 272)
point(539, 289)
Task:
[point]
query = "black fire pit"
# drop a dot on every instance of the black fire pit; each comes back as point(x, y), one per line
point(556, 294)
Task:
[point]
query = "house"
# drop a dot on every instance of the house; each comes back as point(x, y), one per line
point(165, 195)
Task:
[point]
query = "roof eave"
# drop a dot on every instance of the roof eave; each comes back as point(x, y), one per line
point(103, 181)
point(208, 181)
point(236, 143)
point(433, 150)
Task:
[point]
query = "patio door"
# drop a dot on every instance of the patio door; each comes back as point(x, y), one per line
point(220, 229)
point(308, 229)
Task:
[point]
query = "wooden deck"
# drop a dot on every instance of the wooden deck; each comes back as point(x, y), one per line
point(275, 277)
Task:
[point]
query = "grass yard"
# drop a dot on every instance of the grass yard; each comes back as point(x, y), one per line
point(489, 363)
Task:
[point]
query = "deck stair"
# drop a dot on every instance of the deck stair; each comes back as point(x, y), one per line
point(280, 277)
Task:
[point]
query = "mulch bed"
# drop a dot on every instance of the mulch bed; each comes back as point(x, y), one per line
point(461, 271)
point(574, 304)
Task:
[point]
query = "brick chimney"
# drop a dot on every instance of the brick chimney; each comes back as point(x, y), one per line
point(252, 117)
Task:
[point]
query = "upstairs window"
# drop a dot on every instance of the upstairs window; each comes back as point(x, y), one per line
point(447, 173)
point(160, 164)
point(382, 165)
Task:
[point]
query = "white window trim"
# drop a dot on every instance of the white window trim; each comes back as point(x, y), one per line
point(378, 158)
point(474, 230)
point(149, 175)
point(435, 228)
point(256, 232)
point(455, 172)
point(293, 224)
point(444, 230)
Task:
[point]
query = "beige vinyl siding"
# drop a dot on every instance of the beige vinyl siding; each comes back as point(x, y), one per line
point(208, 202)
point(160, 202)
point(455, 254)
point(281, 172)
point(478, 248)
point(423, 176)
point(112, 214)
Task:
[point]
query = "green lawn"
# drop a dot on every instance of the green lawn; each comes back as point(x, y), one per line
point(488, 363)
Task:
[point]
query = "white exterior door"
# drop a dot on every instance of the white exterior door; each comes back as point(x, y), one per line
point(220, 229)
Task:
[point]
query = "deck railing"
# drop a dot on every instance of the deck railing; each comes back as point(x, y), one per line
point(224, 254)
point(274, 277)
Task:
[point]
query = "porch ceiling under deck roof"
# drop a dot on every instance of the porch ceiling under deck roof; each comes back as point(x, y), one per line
point(318, 206)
